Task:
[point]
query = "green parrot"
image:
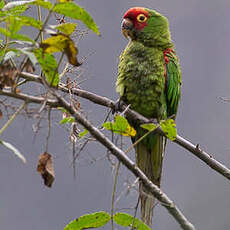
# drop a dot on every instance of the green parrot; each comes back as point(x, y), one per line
point(149, 80)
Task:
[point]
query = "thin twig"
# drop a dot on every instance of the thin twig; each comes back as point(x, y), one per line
point(40, 19)
point(8, 123)
point(115, 186)
point(135, 213)
point(49, 129)
point(114, 192)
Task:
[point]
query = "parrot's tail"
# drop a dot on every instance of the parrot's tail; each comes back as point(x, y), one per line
point(149, 160)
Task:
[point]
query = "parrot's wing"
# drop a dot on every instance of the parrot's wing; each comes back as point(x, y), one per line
point(173, 81)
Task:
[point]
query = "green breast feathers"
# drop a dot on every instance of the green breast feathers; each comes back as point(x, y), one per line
point(141, 80)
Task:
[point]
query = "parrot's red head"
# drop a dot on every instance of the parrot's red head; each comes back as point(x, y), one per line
point(138, 16)
point(146, 26)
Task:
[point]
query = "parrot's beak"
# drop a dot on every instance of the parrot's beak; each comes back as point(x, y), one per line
point(127, 27)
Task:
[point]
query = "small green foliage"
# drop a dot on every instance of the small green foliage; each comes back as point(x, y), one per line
point(67, 120)
point(15, 151)
point(120, 126)
point(45, 4)
point(29, 21)
point(21, 37)
point(83, 133)
point(126, 220)
point(14, 35)
point(14, 6)
point(62, 109)
point(149, 126)
point(99, 219)
point(72, 10)
point(169, 128)
point(2, 4)
point(49, 66)
point(94, 220)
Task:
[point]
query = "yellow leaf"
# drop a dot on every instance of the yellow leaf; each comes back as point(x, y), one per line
point(66, 28)
point(130, 131)
point(56, 43)
point(64, 0)
point(61, 43)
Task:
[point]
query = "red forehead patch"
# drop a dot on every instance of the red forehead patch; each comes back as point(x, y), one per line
point(132, 13)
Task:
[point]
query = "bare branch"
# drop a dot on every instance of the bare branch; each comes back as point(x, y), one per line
point(29, 98)
point(202, 155)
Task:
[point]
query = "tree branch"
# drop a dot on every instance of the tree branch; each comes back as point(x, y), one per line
point(122, 157)
point(29, 98)
point(195, 150)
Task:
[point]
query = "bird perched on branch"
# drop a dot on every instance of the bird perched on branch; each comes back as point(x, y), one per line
point(149, 79)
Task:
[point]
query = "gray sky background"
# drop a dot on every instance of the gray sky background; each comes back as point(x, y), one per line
point(201, 32)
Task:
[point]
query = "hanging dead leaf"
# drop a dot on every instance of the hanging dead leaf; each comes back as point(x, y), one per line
point(29, 67)
point(61, 43)
point(45, 168)
point(71, 52)
point(8, 74)
point(77, 105)
point(1, 115)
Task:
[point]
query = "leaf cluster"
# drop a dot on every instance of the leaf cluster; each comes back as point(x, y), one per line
point(99, 219)
point(13, 16)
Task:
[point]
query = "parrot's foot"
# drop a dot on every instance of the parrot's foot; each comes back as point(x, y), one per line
point(153, 120)
point(118, 106)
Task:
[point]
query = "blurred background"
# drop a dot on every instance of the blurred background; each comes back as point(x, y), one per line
point(201, 33)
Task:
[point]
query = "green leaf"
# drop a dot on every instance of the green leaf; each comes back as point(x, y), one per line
point(62, 109)
point(14, 24)
point(149, 126)
point(15, 151)
point(2, 4)
point(120, 126)
point(66, 28)
point(49, 66)
point(67, 120)
point(94, 220)
point(14, 4)
point(72, 10)
point(18, 10)
point(29, 21)
point(15, 36)
point(4, 32)
point(83, 133)
point(21, 37)
point(2, 54)
point(45, 4)
point(169, 128)
point(126, 220)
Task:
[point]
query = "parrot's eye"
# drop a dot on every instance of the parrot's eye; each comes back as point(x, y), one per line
point(141, 18)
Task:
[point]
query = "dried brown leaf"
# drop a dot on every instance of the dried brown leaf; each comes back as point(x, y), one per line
point(8, 74)
point(77, 105)
point(71, 52)
point(29, 67)
point(45, 168)
point(1, 115)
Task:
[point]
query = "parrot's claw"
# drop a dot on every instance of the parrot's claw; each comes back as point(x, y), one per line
point(153, 120)
point(118, 106)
